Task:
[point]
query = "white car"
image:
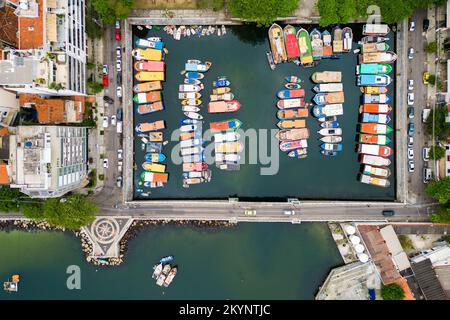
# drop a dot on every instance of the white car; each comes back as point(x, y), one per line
point(410, 53)
point(105, 69)
point(411, 166)
point(105, 163)
point(410, 153)
point(412, 26)
point(410, 98)
point(426, 154)
point(113, 120)
point(105, 122)
point(410, 142)
point(120, 154)
point(119, 92)
point(289, 212)
point(410, 85)
point(118, 52)
point(119, 65)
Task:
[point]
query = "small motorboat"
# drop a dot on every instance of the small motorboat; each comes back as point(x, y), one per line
point(293, 79)
point(270, 60)
point(193, 115)
point(154, 157)
point(291, 86)
point(330, 124)
point(166, 259)
point(299, 153)
point(190, 109)
point(191, 102)
point(189, 121)
point(221, 83)
point(331, 139)
point(328, 153)
point(194, 75)
point(192, 81)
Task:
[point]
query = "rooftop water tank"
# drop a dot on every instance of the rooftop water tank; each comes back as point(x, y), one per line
point(363, 257)
point(28, 144)
point(350, 230)
point(355, 239)
point(359, 248)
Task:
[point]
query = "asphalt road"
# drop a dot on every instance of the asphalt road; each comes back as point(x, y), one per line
point(415, 68)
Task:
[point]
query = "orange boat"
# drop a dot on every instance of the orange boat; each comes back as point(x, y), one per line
point(374, 139)
point(150, 107)
point(147, 97)
point(224, 106)
point(144, 65)
point(149, 176)
point(151, 126)
point(291, 124)
point(195, 166)
point(148, 86)
point(231, 124)
point(187, 135)
point(375, 108)
point(375, 128)
point(292, 113)
point(374, 90)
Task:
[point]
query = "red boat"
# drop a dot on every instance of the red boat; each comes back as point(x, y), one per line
point(144, 65)
point(291, 42)
point(224, 106)
point(195, 166)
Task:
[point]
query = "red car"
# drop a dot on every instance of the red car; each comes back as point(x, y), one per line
point(118, 34)
point(105, 80)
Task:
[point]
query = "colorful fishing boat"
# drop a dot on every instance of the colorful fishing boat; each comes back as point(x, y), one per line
point(292, 113)
point(229, 147)
point(375, 150)
point(292, 49)
point(322, 98)
point(375, 118)
point(290, 103)
point(172, 273)
point(150, 107)
point(378, 57)
point(148, 176)
point(189, 87)
point(292, 134)
point(291, 124)
point(374, 47)
point(145, 43)
point(347, 34)
point(152, 66)
point(224, 96)
point(331, 146)
point(299, 153)
point(191, 102)
point(373, 68)
point(328, 110)
point(379, 182)
point(153, 147)
point(293, 79)
point(276, 39)
point(337, 40)
point(148, 86)
point(147, 97)
point(292, 145)
point(371, 29)
point(224, 106)
point(154, 167)
point(373, 80)
point(327, 44)
point(375, 128)
point(376, 98)
point(374, 160)
point(147, 54)
point(292, 86)
point(227, 136)
point(221, 83)
point(151, 126)
point(375, 108)
point(189, 121)
point(374, 90)
point(150, 76)
point(374, 139)
point(326, 76)
point(328, 87)
point(316, 44)
point(189, 95)
point(304, 44)
point(196, 66)
point(193, 115)
point(290, 94)
point(330, 124)
point(376, 171)
point(331, 139)
point(230, 124)
point(330, 132)
point(221, 90)
point(195, 166)
point(194, 75)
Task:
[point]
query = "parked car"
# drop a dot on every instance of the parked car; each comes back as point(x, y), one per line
point(119, 114)
point(118, 52)
point(118, 34)
point(105, 80)
point(426, 154)
point(410, 84)
point(105, 122)
point(411, 112)
point(119, 165)
point(119, 92)
point(119, 127)
point(119, 65)
point(119, 182)
point(425, 114)
point(412, 26)
point(426, 24)
point(105, 69)
point(426, 175)
point(410, 142)
point(289, 212)
point(410, 98)
point(410, 53)
point(105, 163)
point(119, 78)
point(411, 166)
point(426, 77)
point(113, 120)
point(120, 154)
point(250, 212)
point(410, 129)
point(388, 213)
point(108, 99)
point(410, 153)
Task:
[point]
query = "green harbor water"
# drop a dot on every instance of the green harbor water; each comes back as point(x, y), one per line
point(249, 261)
point(240, 56)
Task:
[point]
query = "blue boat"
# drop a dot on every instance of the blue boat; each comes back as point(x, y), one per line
point(154, 147)
point(331, 146)
point(221, 83)
point(379, 80)
point(375, 118)
point(189, 121)
point(330, 124)
point(194, 75)
point(166, 259)
point(155, 157)
point(328, 153)
point(145, 43)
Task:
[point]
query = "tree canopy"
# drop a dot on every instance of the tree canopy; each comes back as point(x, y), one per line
point(392, 292)
point(436, 152)
point(439, 190)
point(263, 12)
point(441, 127)
point(111, 10)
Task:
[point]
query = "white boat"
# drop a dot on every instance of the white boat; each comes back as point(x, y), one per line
point(330, 132)
point(188, 128)
point(190, 109)
point(328, 87)
point(374, 160)
point(189, 95)
point(227, 137)
point(190, 87)
point(227, 157)
point(189, 143)
point(193, 115)
point(190, 150)
point(158, 269)
point(331, 139)
point(224, 30)
point(192, 158)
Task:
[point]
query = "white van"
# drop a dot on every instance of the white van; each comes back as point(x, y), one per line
point(425, 114)
point(426, 175)
point(119, 126)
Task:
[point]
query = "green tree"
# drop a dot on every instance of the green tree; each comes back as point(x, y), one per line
point(263, 12)
point(436, 152)
point(432, 79)
point(394, 11)
point(10, 199)
point(347, 10)
point(431, 47)
point(406, 242)
point(72, 212)
point(56, 86)
point(111, 10)
point(441, 127)
point(392, 292)
point(442, 216)
point(95, 87)
point(328, 12)
point(215, 5)
point(33, 211)
point(439, 190)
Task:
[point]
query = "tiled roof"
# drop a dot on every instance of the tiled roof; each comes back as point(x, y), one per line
point(31, 30)
point(428, 282)
point(9, 26)
point(4, 175)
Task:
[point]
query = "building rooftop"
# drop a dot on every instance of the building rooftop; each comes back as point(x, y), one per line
point(18, 71)
point(443, 273)
point(9, 26)
point(428, 282)
point(395, 248)
point(4, 173)
point(31, 27)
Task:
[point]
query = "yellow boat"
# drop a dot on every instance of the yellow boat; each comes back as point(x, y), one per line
point(191, 102)
point(155, 136)
point(221, 90)
point(150, 76)
point(229, 147)
point(147, 54)
point(154, 167)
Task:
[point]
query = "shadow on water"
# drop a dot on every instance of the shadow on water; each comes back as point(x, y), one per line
point(250, 33)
